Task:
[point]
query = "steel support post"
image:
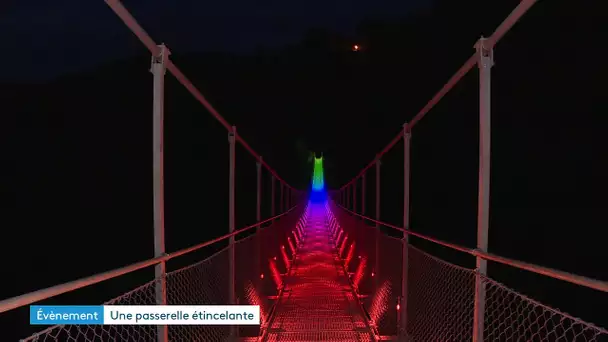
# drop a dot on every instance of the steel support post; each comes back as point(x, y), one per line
point(231, 224)
point(282, 199)
point(258, 217)
point(363, 194)
point(355, 196)
point(406, 225)
point(286, 198)
point(273, 193)
point(158, 72)
point(377, 261)
point(348, 197)
point(485, 61)
point(258, 207)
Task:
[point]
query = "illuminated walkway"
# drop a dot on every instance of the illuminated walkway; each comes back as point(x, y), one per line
point(414, 295)
point(318, 303)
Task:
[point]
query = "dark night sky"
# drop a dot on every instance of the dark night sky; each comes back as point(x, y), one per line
point(70, 36)
point(76, 87)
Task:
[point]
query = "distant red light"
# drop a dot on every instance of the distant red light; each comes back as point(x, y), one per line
point(356, 47)
point(398, 307)
point(262, 276)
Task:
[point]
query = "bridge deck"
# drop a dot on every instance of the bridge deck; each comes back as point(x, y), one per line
point(318, 303)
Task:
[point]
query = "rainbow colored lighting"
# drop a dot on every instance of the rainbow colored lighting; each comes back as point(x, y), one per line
point(318, 183)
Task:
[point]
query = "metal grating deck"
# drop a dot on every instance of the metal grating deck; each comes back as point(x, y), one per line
point(318, 303)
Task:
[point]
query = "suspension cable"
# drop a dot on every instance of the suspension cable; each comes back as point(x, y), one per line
point(151, 45)
point(546, 271)
point(49, 292)
point(500, 31)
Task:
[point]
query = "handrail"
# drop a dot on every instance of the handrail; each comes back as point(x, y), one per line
point(36, 296)
point(546, 271)
point(151, 45)
point(500, 31)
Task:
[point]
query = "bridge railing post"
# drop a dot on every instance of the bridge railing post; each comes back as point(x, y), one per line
point(258, 205)
point(282, 199)
point(287, 202)
point(406, 225)
point(258, 218)
point(158, 69)
point(355, 196)
point(363, 194)
point(348, 198)
point(231, 223)
point(273, 192)
point(377, 252)
point(484, 61)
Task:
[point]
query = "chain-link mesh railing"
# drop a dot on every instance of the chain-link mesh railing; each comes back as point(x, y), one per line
point(511, 316)
point(203, 283)
point(143, 295)
point(441, 298)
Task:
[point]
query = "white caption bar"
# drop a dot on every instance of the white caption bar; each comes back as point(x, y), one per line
point(181, 315)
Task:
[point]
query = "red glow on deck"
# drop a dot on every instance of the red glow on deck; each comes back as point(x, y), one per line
point(291, 246)
point(296, 237)
point(380, 302)
point(343, 245)
point(360, 272)
point(276, 275)
point(286, 260)
point(318, 302)
point(349, 256)
point(253, 298)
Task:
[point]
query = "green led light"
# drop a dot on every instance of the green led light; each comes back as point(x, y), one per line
point(318, 183)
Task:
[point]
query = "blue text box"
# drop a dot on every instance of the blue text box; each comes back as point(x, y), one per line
point(66, 314)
